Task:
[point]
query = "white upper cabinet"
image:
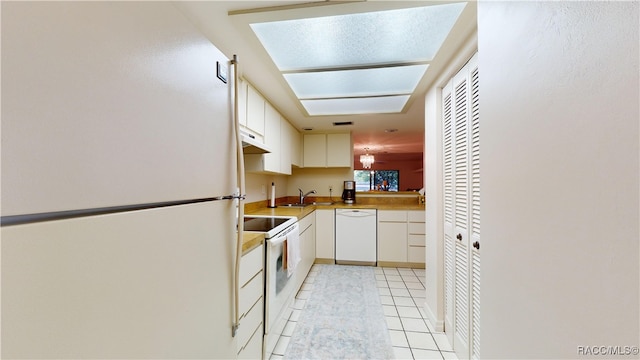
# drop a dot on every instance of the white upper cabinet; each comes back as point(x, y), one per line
point(278, 135)
point(255, 112)
point(272, 138)
point(242, 102)
point(327, 150)
point(296, 147)
point(315, 150)
point(286, 145)
point(339, 150)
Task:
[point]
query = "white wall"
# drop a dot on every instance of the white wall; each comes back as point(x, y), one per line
point(319, 179)
point(258, 186)
point(560, 166)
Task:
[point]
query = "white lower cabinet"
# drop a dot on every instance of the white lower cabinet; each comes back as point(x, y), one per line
point(401, 238)
point(253, 349)
point(392, 235)
point(416, 240)
point(251, 304)
point(325, 235)
point(307, 230)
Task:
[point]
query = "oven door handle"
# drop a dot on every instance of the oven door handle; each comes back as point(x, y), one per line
point(278, 240)
point(283, 235)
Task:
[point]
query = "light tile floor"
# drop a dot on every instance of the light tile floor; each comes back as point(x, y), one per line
point(402, 294)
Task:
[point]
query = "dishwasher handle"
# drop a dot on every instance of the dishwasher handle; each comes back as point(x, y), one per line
point(355, 213)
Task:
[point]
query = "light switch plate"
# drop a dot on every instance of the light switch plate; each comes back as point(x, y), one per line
point(221, 72)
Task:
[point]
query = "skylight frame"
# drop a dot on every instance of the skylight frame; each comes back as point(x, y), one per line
point(396, 80)
point(356, 105)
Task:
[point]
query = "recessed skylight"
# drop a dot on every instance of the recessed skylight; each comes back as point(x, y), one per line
point(381, 37)
point(357, 63)
point(350, 106)
point(396, 80)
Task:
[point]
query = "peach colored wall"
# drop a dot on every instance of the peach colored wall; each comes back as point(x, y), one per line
point(411, 173)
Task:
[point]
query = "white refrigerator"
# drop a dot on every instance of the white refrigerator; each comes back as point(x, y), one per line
point(118, 162)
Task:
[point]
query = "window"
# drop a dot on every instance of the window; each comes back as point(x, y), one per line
point(380, 180)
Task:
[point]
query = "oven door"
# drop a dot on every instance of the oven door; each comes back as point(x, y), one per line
point(278, 287)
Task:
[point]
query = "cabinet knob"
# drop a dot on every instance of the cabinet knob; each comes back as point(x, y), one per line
point(459, 236)
point(476, 245)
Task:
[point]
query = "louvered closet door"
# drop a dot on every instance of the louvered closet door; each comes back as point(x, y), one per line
point(475, 211)
point(461, 172)
point(461, 210)
point(449, 244)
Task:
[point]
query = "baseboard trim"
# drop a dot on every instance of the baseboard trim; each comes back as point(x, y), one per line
point(437, 325)
point(324, 261)
point(401, 264)
point(362, 263)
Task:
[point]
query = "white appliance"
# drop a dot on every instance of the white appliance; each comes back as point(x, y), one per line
point(279, 285)
point(356, 236)
point(119, 170)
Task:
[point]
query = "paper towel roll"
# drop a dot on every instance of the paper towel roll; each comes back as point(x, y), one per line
point(273, 195)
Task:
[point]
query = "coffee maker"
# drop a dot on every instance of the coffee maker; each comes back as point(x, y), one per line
point(349, 192)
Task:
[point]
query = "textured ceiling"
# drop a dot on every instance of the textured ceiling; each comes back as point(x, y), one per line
point(233, 35)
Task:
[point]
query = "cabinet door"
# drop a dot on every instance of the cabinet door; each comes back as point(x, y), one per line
point(325, 234)
point(416, 216)
point(392, 236)
point(251, 302)
point(242, 102)
point(392, 241)
point(296, 147)
point(417, 230)
point(272, 139)
point(392, 216)
point(286, 146)
point(253, 349)
point(307, 246)
point(315, 150)
point(416, 253)
point(255, 110)
point(339, 150)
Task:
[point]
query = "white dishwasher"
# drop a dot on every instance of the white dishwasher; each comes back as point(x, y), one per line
point(356, 234)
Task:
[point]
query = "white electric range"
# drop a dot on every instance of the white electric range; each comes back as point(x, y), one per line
point(278, 289)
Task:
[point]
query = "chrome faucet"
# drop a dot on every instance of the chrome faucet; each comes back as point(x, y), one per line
point(305, 195)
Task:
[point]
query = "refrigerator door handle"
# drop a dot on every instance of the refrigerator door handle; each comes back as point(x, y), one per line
point(230, 197)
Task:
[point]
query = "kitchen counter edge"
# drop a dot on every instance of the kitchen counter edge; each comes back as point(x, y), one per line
point(302, 212)
point(250, 241)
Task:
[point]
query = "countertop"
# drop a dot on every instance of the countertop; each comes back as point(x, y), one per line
point(252, 240)
point(302, 212)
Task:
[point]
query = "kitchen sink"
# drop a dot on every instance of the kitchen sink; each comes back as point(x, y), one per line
point(294, 205)
point(298, 205)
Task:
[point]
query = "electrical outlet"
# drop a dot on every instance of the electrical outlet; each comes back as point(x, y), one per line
point(330, 188)
point(263, 190)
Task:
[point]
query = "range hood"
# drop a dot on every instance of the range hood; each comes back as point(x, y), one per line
point(251, 146)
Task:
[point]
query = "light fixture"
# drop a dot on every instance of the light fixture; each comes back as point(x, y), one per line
point(367, 159)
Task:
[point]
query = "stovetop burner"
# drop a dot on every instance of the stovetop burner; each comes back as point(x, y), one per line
point(263, 224)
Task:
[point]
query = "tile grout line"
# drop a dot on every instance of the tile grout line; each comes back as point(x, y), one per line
point(402, 325)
